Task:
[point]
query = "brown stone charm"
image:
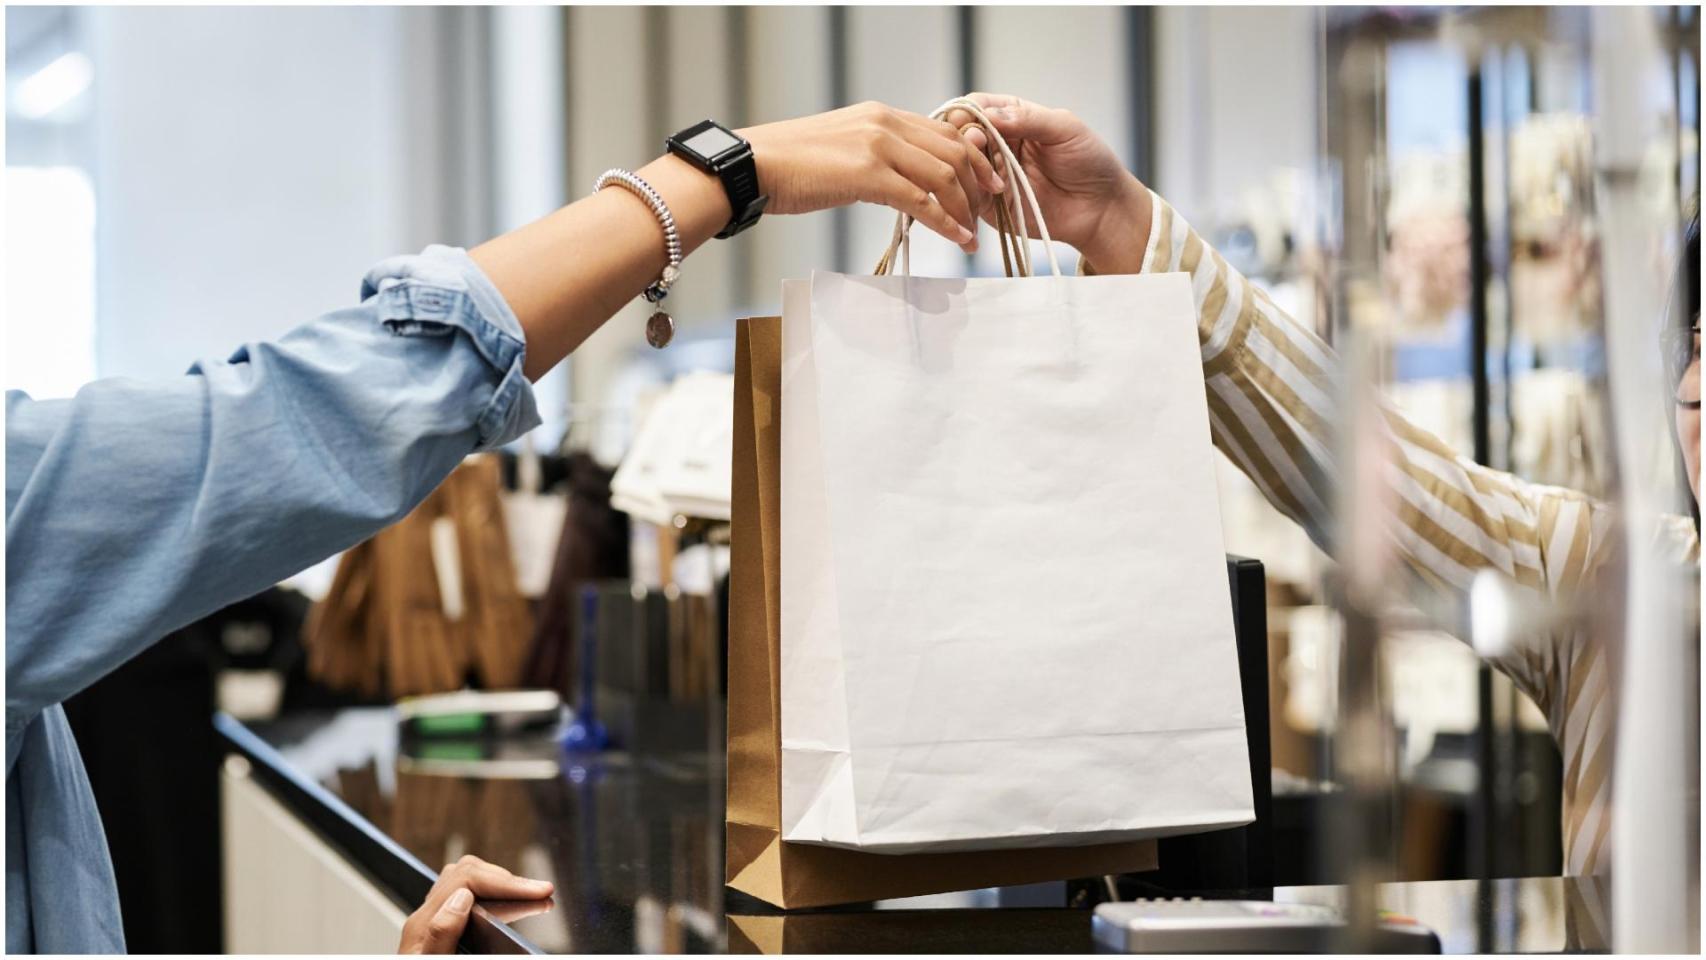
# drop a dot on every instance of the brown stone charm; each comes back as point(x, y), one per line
point(660, 329)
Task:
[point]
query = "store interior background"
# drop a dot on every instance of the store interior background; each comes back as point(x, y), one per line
point(182, 180)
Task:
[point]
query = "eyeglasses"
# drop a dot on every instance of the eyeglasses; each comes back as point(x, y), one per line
point(1683, 355)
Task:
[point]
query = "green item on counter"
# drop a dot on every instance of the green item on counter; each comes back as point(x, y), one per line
point(450, 723)
point(454, 750)
point(477, 713)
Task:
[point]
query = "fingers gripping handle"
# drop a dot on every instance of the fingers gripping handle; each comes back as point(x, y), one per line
point(1019, 193)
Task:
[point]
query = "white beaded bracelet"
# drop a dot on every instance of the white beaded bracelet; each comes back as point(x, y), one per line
point(660, 328)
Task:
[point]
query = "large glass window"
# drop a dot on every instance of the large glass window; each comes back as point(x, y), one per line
point(50, 206)
point(50, 283)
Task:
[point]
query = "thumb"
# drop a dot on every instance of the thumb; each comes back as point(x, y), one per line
point(445, 928)
point(1024, 120)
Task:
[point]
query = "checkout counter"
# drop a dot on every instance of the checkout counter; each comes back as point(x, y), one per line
point(336, 822)
point(332, 815)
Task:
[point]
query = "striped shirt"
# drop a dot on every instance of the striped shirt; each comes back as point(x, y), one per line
point(1271, 395)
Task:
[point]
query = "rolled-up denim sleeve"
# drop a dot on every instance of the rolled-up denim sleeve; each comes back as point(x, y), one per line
point(135, 507)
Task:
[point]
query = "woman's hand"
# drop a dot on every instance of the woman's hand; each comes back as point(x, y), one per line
point(877, 154)
point(437, 926)
point(1087, 196)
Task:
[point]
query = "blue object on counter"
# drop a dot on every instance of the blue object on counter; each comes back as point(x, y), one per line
point(586, 734)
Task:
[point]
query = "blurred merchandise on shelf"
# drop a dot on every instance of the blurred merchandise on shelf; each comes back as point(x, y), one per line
point(1561, 436)
point(1554, 269)
point(429, 603)
point(657, 662)
point(593, 544)
point(1265, 233)
point(533, 519)
point(679, 463)
point(1431, 681)
point(1426, 268)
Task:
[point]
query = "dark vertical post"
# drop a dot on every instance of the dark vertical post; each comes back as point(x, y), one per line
point(657, 82)
point(739, 93)
point(1479, 270)
point(838, 84)
point(1140, 86)
point(1482, 849)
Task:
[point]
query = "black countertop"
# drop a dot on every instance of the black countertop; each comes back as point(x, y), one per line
point(634, 846)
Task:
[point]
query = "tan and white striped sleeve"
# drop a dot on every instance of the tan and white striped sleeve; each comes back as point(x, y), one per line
point(1271, 395)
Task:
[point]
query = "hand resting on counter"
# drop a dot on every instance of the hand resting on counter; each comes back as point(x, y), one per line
point(437, 926)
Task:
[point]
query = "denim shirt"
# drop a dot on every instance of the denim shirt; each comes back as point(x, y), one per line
point(136, 508)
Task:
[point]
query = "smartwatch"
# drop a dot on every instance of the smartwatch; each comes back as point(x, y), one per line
point(715, 149)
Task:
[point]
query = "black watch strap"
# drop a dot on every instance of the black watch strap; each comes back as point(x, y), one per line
point(740, 182)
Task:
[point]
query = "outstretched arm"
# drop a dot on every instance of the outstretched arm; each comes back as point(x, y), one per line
point(564, 275)
point(136, 507)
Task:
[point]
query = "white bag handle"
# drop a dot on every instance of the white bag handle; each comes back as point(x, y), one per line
point(1016, 176)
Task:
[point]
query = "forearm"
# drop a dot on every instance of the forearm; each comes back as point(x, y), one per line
point(565, 274)
point(1273, 393)
point(1273, 389)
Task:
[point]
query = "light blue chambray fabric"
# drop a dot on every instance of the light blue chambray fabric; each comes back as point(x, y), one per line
point(135, 508)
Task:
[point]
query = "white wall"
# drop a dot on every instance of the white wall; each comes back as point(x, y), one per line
point(1073, 58)
point(1235, 99)
point(251, 164)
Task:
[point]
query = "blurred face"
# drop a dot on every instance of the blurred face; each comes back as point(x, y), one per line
point(1688, 413)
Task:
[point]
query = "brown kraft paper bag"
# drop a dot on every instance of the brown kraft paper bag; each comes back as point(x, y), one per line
point(758, 862)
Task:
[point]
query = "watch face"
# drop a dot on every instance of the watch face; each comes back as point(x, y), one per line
point(710, 142)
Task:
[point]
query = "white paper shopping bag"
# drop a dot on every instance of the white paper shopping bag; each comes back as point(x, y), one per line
point(1004, 612)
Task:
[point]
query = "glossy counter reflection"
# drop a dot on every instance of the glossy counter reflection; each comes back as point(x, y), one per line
point(634, 848)
point(634, 845)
